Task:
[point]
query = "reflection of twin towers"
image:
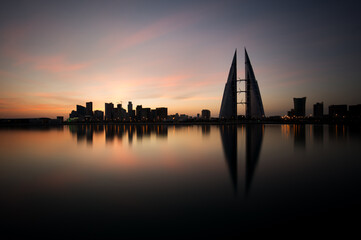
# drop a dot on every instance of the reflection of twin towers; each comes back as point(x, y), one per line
point(254, 105)
point(254, 135)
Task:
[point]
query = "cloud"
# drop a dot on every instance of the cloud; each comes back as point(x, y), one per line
point(13, 48)
point(128, 38)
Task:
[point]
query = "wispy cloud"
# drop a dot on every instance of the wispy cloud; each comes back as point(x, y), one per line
point(127, 38)
point(12, 47)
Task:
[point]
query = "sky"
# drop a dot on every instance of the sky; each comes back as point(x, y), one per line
point(176, 54)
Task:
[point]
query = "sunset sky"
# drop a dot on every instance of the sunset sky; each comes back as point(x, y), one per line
point(177, 54)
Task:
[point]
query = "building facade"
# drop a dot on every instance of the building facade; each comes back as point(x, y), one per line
point(299, 107)
point(318, 110)
point(254, 104)
point(206, 114)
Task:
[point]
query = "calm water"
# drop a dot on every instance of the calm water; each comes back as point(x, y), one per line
point(169, 181)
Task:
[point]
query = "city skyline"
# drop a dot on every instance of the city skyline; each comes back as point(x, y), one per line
point(54, 55)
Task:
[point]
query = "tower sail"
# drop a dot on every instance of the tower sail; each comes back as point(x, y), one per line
point(229, 100)
point(254, 105)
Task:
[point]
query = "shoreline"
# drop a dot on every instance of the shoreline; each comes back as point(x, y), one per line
point(198, 123)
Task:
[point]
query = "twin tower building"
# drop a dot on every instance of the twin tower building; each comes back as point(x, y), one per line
point(253, 102)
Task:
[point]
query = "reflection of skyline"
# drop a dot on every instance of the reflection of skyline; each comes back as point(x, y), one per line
point(254, 136)
point(337, 131)
point(299, 131)
point(206, 130)
point(86, 132)
point(317, 131)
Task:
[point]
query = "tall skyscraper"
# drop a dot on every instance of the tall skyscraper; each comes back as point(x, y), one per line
point(254, 105)
point(139, 112)
point(318, 110)
point(109, 111)
point(131, 113)
point(89, 108)
point(130, 107)
point(229, 100)
point(299, 106)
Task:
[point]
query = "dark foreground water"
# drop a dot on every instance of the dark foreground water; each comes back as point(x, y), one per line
point(180, 181)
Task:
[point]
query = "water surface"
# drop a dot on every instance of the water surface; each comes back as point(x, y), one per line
point(167, 181)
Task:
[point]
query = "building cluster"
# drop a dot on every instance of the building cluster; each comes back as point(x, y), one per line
point(118, 113)
point(334, 111)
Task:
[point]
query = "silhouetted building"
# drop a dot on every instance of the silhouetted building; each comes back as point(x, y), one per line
point(254, 105)
point(98, 115)
point(60, 119)
point(355, 111)
point(229, 101)
point(80, 110)
point(145, 114)
point(206, 114)
point(138, 111)
point(89, 109)
point(337, 111)
point(153, 115)
point(300, 106)
point(109, 111)
point(131, 112)
point(161, 113)
point(119, 112)
point(73, 114)
point(318, 110)
point(291, 113)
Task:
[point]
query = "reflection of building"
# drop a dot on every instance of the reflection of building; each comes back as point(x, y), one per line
point(229, 143)
point(206, 114)
point(300, 136)
point(337, 131)
point(254, 137)
point(89, 134)
point(318, 110)
point(317, 133)
point(299, 106)
point(254, 105)
point(337, 110)
point(109, 133)
point(206, 130)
